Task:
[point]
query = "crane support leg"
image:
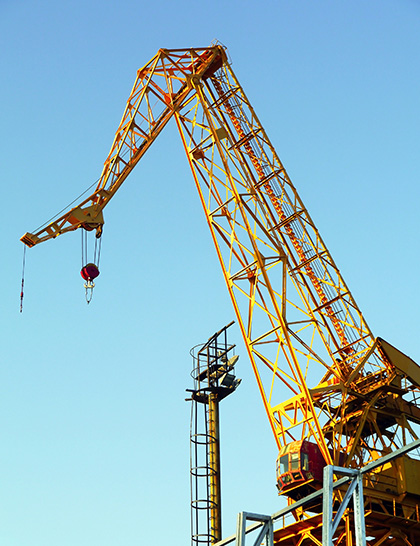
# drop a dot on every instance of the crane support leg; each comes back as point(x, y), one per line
point(355, 491)
point(265, 534)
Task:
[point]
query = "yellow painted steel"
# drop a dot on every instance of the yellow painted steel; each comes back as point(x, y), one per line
point(214, 460)
point(321, 373)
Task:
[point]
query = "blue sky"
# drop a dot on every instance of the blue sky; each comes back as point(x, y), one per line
point(93, 422)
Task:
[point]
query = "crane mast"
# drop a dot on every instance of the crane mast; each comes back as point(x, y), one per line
point(326, 382)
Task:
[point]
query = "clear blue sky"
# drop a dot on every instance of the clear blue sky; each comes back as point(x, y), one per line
point(93, 423)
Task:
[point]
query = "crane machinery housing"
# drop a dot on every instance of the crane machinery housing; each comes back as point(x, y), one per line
point(353, 397)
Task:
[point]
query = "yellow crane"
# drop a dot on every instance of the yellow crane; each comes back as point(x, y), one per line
point(352, 397)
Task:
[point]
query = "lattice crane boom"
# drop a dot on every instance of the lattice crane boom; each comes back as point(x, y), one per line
point(351, 394)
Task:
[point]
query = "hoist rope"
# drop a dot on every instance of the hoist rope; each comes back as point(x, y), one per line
point(84, 247)
point(97, 252)
point(85, 252)
point(81, 234)
point(23, 278)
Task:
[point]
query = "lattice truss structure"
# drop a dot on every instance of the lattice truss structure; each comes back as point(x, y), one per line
point(306, 337)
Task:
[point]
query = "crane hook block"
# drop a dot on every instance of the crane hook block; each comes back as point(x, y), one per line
point(89, 272)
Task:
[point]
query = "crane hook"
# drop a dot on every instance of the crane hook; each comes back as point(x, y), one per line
point(89, 285)
point(89, 272)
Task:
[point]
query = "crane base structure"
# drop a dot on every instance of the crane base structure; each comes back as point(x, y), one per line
point(370, 528)
point(334, 394)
